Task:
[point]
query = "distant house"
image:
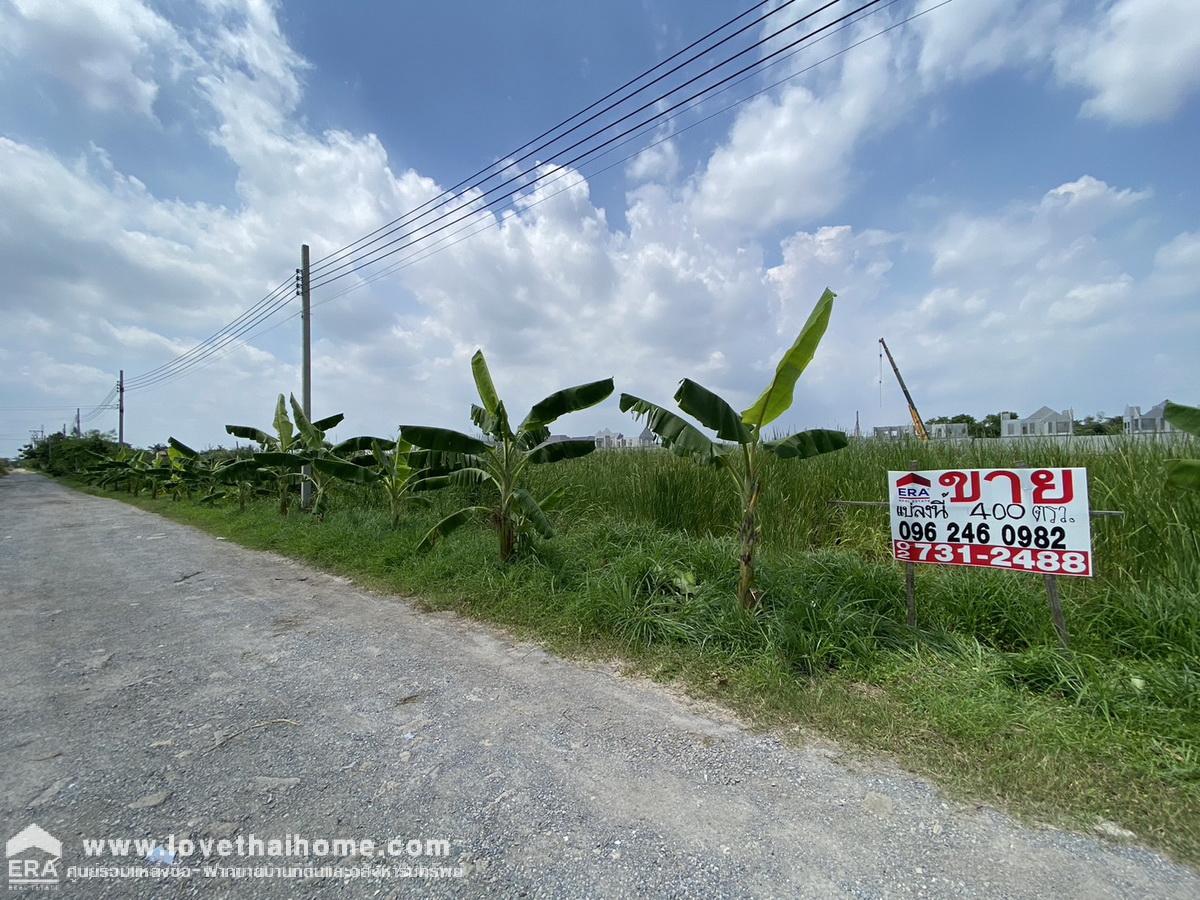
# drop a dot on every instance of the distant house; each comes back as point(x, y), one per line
point(1046, 422)
point(948, 431)
point(607, 439)
point(647, 438)
point(1153, 421)
point(892, 432)
point(612, 440)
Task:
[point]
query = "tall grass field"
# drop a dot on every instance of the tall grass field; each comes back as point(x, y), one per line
point(979, 695)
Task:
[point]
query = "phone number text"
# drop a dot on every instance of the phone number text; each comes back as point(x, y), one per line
point(1047, 560)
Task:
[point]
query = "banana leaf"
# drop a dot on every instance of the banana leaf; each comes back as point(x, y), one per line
point(1184, 473)
point(556, 451)
point(451, 523)
point(250, 433)
point(484, 383)
point(329, 422)
point(446, 439)
point(464, 477)
point(495, 424)
point(533, 512)
point(806, 444)
point(777, 398)
point(283, 425)
point(276, 460)
point(182, 448)
point(1185, 418)
point(678, 434)
point(240, 470)
point(713, 412)
point(362, 442)
point(346, 471)
point(568, 400)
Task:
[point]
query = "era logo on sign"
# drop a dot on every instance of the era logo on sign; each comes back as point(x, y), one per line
point(913, 487)
point(27, 866)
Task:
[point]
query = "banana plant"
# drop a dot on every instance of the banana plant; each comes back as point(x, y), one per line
point(1183, 474)
point(240, 479)
point(282, 455)
point(740, 449)
point(396, 467)
point(324, 464)
point(499, 462)
point(180, 470)
point(128, 468)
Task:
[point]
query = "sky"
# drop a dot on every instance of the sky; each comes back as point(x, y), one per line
point(1004, 189)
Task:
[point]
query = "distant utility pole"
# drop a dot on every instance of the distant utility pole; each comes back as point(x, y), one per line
point(121, 409)
point(306, 363)
point(78, 424)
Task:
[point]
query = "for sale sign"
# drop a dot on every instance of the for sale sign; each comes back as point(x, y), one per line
point(1025, 520)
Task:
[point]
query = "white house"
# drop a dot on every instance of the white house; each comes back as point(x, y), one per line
point(648, 439)
point(1046, 422)
point(612, 440)
point(607, 439)
point(892, 432)
point(947, 431)
point(1153, 421)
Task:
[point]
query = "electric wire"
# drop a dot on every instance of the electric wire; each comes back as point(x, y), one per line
point(501, 160)
point(426, 252)
point(328, 277)
point(270, 304)
point(326, 273)
point(226, 341)
point(271, 295)
point(78, 406)
point(495, 222)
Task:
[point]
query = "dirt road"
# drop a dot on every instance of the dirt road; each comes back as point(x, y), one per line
point(157, 681)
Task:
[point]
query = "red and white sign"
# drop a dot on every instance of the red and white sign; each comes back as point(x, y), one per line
point(1024, 520)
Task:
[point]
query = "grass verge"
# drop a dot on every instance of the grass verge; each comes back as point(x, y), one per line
point(999, 717)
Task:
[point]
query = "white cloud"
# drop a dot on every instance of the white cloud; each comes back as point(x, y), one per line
point(107, 52)
point(967, 40)
point(1177, 267)
point(789, 156)
point(1062, 223)
point(658, 163)
point(1139, 60)
point(1087, 302)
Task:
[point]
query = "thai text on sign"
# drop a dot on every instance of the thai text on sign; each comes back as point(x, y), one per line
point(1025, 520)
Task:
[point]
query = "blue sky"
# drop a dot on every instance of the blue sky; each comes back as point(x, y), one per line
point(1003, 189)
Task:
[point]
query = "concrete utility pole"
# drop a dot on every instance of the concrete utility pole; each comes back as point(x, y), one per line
point(306, 363)
point(121, 409)
point(78, 425)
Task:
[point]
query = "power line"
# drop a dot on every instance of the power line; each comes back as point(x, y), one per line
point(45, 408)
point(252, 316)
point(278, 303)
point(496, 222)
point(273, 303)
point(506, 160)
point(424, 254)
point(562, 171)
point(226, 341)
point(271, 295)
point(329, 277)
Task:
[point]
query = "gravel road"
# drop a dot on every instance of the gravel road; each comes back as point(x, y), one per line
point(157, 681)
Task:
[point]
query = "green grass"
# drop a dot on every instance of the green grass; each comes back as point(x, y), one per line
point(979, 697)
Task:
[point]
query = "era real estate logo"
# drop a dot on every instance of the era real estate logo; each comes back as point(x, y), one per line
point(33, 855)
point(913, 487)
